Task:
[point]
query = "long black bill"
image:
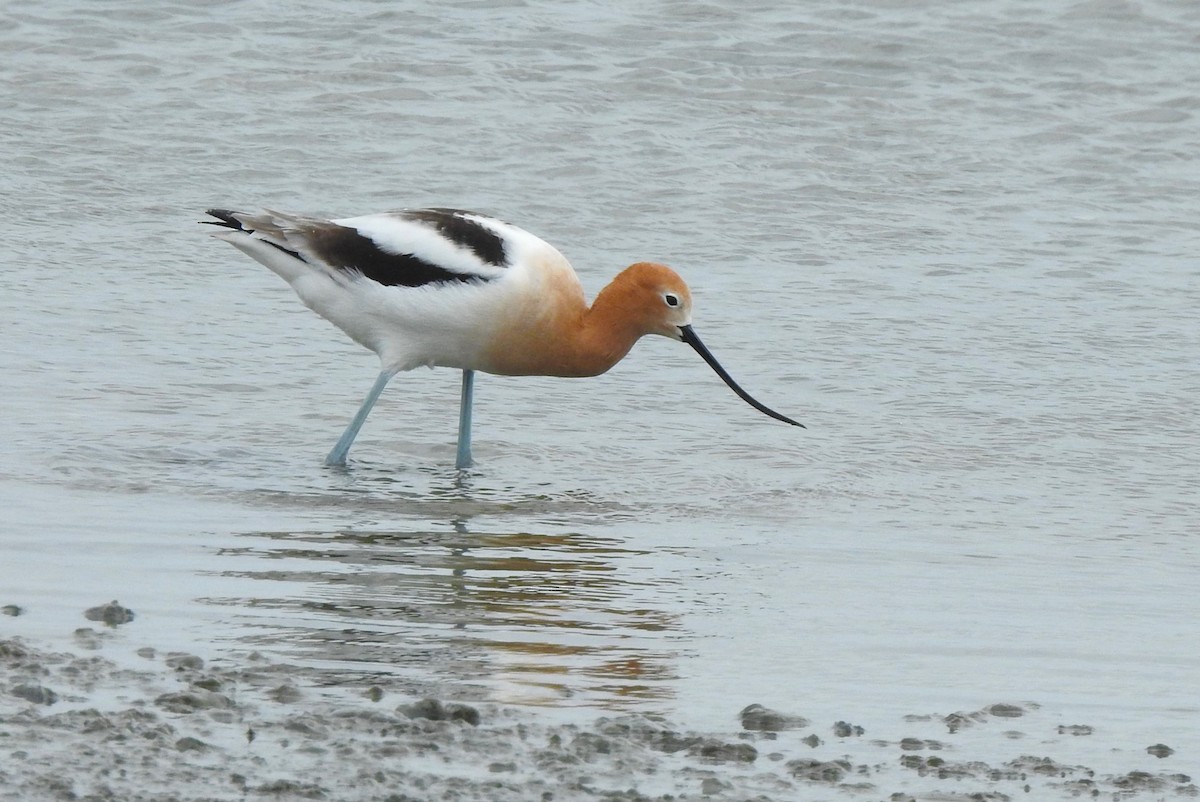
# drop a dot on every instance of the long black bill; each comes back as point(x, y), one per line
point(689, 337)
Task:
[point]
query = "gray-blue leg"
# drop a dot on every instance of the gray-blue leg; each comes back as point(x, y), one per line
point(338, 455)
point(463, 460)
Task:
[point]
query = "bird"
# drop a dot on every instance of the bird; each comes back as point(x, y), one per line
point(443, 287)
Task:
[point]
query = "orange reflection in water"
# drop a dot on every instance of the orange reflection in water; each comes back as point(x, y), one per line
point(519, 617)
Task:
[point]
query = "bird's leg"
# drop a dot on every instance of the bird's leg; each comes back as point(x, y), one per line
point(463, 460)
point(338, 455)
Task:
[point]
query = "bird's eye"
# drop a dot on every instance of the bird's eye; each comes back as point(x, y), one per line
point(671, 299)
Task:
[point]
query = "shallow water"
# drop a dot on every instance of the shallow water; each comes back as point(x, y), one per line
point(959, 245)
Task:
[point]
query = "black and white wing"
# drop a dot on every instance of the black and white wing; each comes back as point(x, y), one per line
point(408, 248)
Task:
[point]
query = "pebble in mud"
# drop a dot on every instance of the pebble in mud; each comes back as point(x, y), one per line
point(823, 771)
point(89, 638)
point(645, 731)
point(757, 717)
point(843, 730)
point(189, 744)
point(718, 751)
point(207, 684)
point(193, 700)
point(286, 694)
point(945, 770)
point(957, 721)
point(1160, 750)
point(12, 610)
point(960, 720)
point(35, 694)
point(182, 661)
point(1142, 781)
point(13, 651)
point(434, 710)
point(919, 744)
point(111, 614)
point(1006, 710)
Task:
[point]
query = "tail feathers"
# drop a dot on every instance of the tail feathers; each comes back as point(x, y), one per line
point(265, 239)
point(225, 218)
point(290, 232)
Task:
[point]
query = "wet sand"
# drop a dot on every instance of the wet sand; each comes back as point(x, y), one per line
point(103, 720)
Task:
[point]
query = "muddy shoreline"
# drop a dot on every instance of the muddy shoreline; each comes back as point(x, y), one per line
point(76, 724)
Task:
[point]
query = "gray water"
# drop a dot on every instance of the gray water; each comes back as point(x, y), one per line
point(958, 241)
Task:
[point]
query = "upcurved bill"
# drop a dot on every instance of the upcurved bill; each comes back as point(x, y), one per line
point(689, 336)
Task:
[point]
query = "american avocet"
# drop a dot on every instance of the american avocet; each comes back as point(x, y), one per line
point(448, 288)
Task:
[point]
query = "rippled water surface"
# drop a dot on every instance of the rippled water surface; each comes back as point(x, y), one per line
point(958, 241)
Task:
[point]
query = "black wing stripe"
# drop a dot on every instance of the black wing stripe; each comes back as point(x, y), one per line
point(344, 248)
point(456, 226)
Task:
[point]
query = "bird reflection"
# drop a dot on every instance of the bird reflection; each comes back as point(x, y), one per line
point(523, 617)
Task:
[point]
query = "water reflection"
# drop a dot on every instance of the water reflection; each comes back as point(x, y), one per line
point(518, 617)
